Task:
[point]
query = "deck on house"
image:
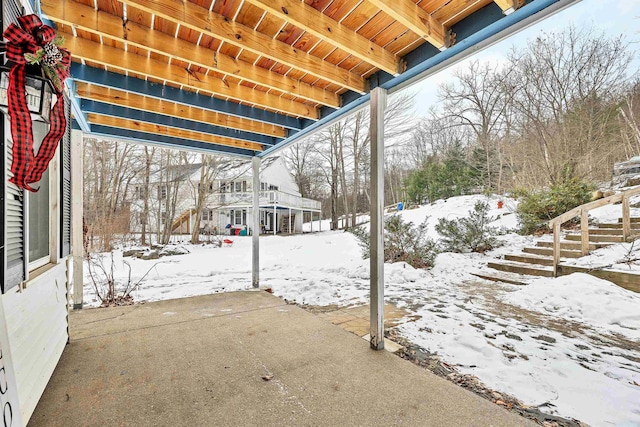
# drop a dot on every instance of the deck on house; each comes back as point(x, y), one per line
point(244, 358)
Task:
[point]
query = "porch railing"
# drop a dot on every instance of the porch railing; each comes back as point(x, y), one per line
point(271, 197)
point(583, 212)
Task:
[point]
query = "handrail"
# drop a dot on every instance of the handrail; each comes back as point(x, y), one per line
point(583, 212)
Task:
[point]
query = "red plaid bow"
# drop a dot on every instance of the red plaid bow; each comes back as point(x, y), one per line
point(29, 37)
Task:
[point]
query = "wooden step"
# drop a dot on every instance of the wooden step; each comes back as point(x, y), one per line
point(511, 278)
point(633, 219)
point(597, 239)
point(634, 225)
point(571, 245)
point(529, 259)
point(565, 253)
point(521, 269)
point(625, 279)
point(605, 232)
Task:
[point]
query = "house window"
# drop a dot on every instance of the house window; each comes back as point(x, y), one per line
point(238, 186)
point(239, 217)
point(207, 214)
point(162, 192)
point(210, 189)
point(39, 224)
point(273, 187)
point(38, 213)
point(263, 186)
point(138, 192)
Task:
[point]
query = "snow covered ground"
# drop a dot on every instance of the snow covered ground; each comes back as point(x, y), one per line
point(570, 345)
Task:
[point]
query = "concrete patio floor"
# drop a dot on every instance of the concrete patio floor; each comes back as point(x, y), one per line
point(244, 358)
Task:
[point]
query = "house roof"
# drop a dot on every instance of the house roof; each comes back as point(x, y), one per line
point(237, 168)
point(248, 77)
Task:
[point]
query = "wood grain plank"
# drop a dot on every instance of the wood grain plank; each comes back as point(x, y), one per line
point(168, 108)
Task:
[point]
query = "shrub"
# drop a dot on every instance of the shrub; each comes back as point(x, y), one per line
point(402, 242)
point(470, 234)
point(536, 208)
point(441, 178)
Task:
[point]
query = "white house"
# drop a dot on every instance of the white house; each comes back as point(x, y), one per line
point(228, 206)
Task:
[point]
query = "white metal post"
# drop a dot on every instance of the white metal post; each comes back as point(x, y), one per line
point(376, 128)
point(275, 223)
point(255, 236)
point(77, 247)
point(290, 231)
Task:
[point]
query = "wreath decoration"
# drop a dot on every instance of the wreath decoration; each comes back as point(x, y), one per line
point(30, 42)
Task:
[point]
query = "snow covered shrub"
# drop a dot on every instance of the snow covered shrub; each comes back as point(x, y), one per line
point(536, 208)
point(469, 234)
point(402, 242)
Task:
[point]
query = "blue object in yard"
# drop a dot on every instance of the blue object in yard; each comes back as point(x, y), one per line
point(243, 232)
point(400, 206)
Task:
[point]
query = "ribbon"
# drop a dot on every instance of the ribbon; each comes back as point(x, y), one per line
point(28, 37)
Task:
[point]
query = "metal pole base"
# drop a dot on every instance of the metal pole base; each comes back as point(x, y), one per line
point(376, 346)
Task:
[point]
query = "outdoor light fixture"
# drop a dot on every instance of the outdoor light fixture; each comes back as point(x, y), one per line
point(38, 92)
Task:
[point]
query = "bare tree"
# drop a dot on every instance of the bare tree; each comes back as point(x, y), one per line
point(202, 189)
point(149, 153)
point(565, 87)
point(477, 100)
point(630, 114)
point(110, 168)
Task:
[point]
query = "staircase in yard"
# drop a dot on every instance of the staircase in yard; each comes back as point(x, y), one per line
point(549, 258)
point(183, 218)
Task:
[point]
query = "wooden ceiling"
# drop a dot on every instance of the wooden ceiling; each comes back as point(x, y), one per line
point(240, 76)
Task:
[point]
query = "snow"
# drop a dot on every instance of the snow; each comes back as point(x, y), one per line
point(611, 213)
point(585, 299)
point(622, 257)
point(568, 344)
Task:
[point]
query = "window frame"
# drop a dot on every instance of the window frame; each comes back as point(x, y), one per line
point(54, 212)
point(162, 191)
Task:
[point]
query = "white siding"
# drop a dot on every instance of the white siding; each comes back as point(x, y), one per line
point(278, 174)
point(36, 321)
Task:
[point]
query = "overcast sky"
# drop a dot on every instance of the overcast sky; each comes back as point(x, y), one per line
point(611, 16)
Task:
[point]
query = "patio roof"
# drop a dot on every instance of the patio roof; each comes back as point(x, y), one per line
point(247, 77)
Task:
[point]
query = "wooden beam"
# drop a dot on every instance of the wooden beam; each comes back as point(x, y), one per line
point(320, 25)
point(130, 62)
point(139, 102)
point(200, 19)
point(139, 126)
point(98, 22)
point(417, 20)
point(509, 6)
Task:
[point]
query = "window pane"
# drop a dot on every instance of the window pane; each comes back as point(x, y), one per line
point(39, 206)
point(39, 220)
